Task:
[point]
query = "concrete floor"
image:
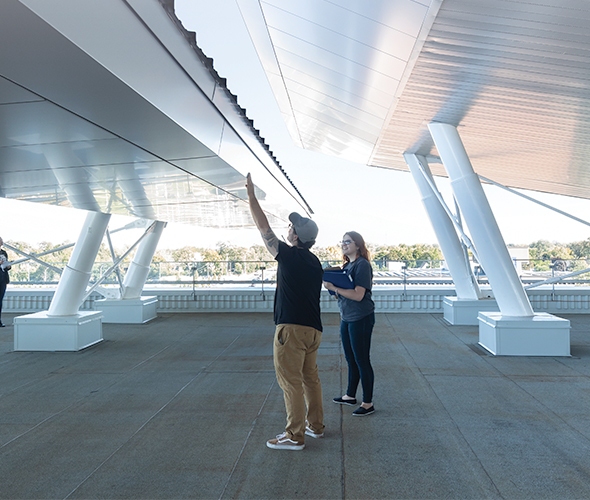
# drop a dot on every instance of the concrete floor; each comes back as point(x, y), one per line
point(182, 407)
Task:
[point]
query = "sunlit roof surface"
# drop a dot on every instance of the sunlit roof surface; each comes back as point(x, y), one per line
point(361, 80)
point(111, 106)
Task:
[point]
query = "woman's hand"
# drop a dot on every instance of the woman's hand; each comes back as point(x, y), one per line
point(329, 286)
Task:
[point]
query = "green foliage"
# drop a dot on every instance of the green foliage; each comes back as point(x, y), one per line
point(185, 254)
point(545, 250)
point(228, 259)
point(414, 255)
point(543, 253)
point(329, 256)
point(580, 249)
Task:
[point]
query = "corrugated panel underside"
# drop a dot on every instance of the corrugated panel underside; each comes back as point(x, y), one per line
point(515, 78)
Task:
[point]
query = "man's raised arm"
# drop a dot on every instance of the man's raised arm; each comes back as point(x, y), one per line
point(268, 236)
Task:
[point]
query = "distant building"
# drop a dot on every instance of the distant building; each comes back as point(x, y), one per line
point(519, 255)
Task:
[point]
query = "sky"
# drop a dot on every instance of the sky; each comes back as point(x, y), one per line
point(383, 205)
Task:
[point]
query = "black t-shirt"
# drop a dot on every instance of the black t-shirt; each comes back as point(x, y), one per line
point(3, 273)
point(299, 284)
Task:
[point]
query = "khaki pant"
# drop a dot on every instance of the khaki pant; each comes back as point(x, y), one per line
point(295, 358)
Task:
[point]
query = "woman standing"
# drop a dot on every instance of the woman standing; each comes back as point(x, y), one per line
point(4, 279)
point(357, 312)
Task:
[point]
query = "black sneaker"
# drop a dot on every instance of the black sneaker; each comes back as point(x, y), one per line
point(2, 325)
point(361, 412)
point(340, 401)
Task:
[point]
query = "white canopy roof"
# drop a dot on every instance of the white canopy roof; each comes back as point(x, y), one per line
point(361, 80)
point(110, 106)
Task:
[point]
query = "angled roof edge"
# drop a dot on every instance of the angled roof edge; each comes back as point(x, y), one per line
point(191, 37)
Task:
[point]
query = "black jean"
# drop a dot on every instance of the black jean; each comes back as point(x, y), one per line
point(356, 342)
point(2, 292)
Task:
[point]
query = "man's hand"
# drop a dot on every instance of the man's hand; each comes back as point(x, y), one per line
point(268, 236)
point(250, 186)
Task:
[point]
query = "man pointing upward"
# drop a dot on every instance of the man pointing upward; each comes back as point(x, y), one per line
point(298, 323)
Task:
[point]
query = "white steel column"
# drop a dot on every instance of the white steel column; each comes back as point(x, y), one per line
point(493, 254)
point(463, 308)
point(140, 266)
point(515, 330)
point(131, 306)
point(76, 275)
point(466, 286)
point(63, 327)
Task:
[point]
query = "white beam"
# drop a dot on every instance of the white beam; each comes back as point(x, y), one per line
point(76, 275)
point(466, 286)
point(493, 254)
point(140, 266)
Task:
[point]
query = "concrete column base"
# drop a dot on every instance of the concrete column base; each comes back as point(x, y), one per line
point(133, 311)
point(540, 335)
point(464, 311)
point(40, 332)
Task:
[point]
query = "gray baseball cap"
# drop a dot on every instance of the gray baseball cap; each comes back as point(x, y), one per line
point(306, 229)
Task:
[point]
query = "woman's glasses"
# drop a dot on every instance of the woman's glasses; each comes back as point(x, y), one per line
point(345, 243)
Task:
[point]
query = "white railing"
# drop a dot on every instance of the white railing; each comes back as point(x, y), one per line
point(418, 299)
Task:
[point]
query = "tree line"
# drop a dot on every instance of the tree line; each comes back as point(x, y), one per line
point(225, 251)
point(229, 258)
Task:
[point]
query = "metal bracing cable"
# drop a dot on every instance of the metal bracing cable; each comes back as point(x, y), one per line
point(513, 191)
point(117, 262)
point(114, 257)
point(557, 280)
point(460, 222)
point(548, 281)
point(464, 238)
point(34, 257)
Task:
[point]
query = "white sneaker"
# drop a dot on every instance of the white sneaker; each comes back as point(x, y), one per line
point(282, 442)
point(310, 432)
